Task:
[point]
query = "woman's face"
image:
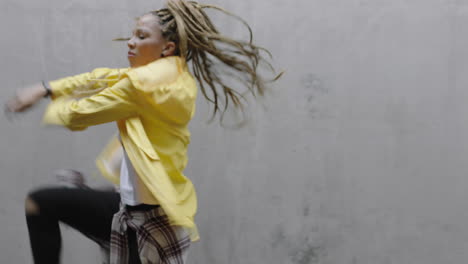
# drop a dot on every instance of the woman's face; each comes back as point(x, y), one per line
point(147, 43)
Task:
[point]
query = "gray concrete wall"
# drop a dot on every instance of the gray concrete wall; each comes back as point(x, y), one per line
point(357, 156)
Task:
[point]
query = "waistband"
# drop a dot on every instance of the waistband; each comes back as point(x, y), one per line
point(141, 207)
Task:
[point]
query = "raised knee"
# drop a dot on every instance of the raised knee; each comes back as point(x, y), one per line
point(31, 206)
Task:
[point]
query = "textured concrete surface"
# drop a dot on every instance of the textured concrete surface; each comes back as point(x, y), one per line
point(357, 156)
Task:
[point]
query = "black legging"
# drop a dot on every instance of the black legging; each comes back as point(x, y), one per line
point(88, 211)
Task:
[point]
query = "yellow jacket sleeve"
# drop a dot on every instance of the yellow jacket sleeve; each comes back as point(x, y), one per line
point(111, 104)
point(85, 81)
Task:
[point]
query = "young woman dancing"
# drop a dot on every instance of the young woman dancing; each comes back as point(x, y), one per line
point(151, 219)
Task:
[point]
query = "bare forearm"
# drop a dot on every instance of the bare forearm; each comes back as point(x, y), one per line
point(26, 97)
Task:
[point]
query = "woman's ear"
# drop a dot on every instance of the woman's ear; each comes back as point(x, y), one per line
point(169, 49)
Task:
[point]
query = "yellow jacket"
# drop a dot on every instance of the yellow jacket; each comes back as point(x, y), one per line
point(152, 106)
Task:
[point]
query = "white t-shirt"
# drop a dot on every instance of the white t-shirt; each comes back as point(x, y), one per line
point(130, 182)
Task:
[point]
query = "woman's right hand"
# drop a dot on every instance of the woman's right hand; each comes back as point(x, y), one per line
point(25, 98)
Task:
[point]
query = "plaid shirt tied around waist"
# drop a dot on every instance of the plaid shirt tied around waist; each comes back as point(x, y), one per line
point(158, 242)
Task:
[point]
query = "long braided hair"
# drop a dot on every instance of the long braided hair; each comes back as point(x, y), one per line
point(197, 40)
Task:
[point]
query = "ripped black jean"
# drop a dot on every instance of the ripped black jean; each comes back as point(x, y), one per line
point(88, 211)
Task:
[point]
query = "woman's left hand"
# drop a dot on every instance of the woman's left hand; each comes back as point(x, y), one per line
point(25, 98)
